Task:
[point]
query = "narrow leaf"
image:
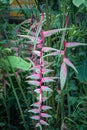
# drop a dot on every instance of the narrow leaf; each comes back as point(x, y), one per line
point(69, 63)
point(63, 75)
point(45, 115)
point(74, 44)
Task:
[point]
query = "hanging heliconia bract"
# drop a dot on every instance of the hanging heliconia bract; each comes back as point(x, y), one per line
point(38, 79)
point(36, 37)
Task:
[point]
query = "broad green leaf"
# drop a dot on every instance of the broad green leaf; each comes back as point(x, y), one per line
point(82, 71)
point(72, 100)
point(6, 1)
point(78, 2)
point(11, 1)
point(2, 124)
point(17, 62)
point(85, 3)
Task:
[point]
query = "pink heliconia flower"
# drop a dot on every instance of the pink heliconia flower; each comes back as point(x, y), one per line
point(44, 122)
point(45, 115)
point(47, 49)
point(34, 111)
point(51, 32)
point(74, 44)
point(34, 76)
point(63, 75)
point(40, 69)
point(33, 82)
point(35, 117)
point(69, 63)
point(45, 107)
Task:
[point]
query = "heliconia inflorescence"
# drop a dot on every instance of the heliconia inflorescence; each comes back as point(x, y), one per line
point(38, 79)
point(39, 68)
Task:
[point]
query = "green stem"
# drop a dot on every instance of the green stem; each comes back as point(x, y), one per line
point(20, 109)
point(7, 110)
point(84, 88)
point(40, 127)
point(62, 108)
point(68, 96)
point(69, 108)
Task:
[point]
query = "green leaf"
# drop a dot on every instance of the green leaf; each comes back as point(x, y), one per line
point(2, 124)
point(11, 1)
point(7, 1)
point(78, 2)
point(85, 3)
point(82, 71)
point(72, 100)
point(17, 62)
